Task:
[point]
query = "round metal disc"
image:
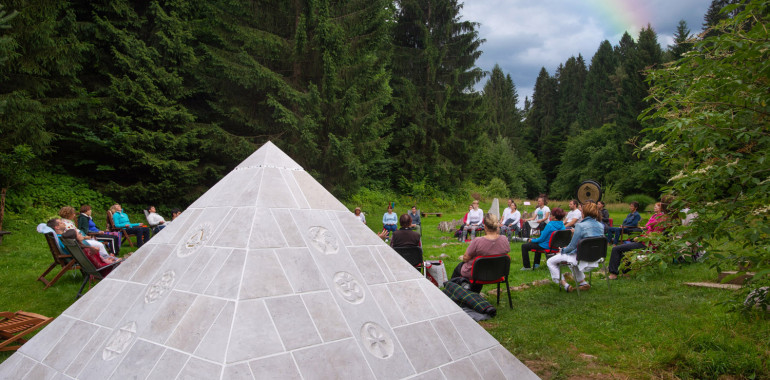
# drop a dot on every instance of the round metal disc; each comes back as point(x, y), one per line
point(589, 191)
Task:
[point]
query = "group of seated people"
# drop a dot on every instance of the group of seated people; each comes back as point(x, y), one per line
point(585, 220)
point(108, 240)
point(389, 220)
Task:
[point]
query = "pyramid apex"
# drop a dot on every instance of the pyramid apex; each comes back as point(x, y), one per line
point(269, 156)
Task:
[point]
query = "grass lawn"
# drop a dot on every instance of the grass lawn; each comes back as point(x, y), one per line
point(653, 327)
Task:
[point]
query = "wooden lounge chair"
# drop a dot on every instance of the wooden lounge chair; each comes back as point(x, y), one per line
point(60, 258)
point(111, 227)
point(90, 272)
point(14, 326)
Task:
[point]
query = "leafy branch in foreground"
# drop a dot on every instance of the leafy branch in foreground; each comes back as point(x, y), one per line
point(715, 103)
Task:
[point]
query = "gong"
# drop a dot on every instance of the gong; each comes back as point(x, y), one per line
point(589, 191)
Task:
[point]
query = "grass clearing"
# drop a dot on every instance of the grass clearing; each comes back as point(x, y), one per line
point(652, 327)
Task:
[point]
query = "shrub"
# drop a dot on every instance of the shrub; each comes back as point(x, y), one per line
point(611, 194)
point(644, 200)
point(496, 188)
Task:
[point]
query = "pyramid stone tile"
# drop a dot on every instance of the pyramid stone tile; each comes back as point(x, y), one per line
point(247, 342)
point(293, 322)
point(266, 275)
point(461, 370)
point(337, 360)
point(210, 347)
point(301, 271)
point(451, 338)
point(329, 322)
point(168, 366)
point(199, 369)
point(423, 346)
point(277, 367)
point(487, 366)
point(430, 375)
point(139, 361)
point(227, 281)
point(388, 305)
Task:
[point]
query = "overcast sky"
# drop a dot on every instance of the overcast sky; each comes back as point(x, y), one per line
point(524, 35)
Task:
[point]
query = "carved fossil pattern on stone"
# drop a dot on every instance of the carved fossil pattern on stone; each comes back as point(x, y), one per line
point(195, 240)
point(160, 287)
point(120, 341)
point(348, 287)
point(323, 240)
point(376, 340)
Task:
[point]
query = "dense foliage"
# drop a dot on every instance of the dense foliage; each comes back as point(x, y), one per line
point(155, 101)
point(715, 139)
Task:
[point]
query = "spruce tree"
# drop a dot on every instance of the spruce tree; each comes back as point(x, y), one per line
point(682, 41)
point(572, 80)
point(595, 107)
point(542, 120)
point(437, 110)
point(502, 117)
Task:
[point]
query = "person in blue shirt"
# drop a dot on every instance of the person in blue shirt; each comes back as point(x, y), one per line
point(389, 220)
point(121, 221)
point(630, 223)
point(588, 227)
point(555, 224)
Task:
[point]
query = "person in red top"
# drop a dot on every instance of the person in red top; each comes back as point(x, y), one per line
point(492, 243)
point(656, 224)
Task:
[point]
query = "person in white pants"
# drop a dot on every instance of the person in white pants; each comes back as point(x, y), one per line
point(588, 227)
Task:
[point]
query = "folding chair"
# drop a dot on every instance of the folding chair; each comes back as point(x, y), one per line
point(493, 269)
point(111, 227)
point(60, 258)
point(412, 255)
point(631, 231)
point(593, 249)
point(86, 266)
point(557, 240)
point(14, 326)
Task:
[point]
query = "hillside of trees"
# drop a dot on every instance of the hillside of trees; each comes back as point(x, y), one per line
point(157, 100)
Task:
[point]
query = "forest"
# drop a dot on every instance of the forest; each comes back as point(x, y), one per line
point(157, 100)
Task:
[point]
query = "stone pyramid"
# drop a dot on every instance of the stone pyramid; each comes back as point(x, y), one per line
point(265, 276)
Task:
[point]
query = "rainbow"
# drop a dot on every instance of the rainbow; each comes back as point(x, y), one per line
point(623, 15)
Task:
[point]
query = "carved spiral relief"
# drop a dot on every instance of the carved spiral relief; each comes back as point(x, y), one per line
point(120, 341)
point(376, 340)
point(323, 240)
point(348, 287)
point(195, 240)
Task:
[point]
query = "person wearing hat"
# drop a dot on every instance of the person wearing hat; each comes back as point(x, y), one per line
point(360, 215)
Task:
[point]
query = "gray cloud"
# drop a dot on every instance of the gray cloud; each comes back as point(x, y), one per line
point(522, 36)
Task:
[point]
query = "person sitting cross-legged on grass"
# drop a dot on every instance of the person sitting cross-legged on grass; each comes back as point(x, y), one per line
point(492, 243)
point(556, 216)
point(655, 224)
point(586, 228)
point(630, 223)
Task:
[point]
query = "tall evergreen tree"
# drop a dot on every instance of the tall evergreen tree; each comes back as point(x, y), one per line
point(572, 79)
point(438, 112)
point(714, 15)
point(502, 117)
point(682, 41)
point(595, 107)
point(542, 120)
